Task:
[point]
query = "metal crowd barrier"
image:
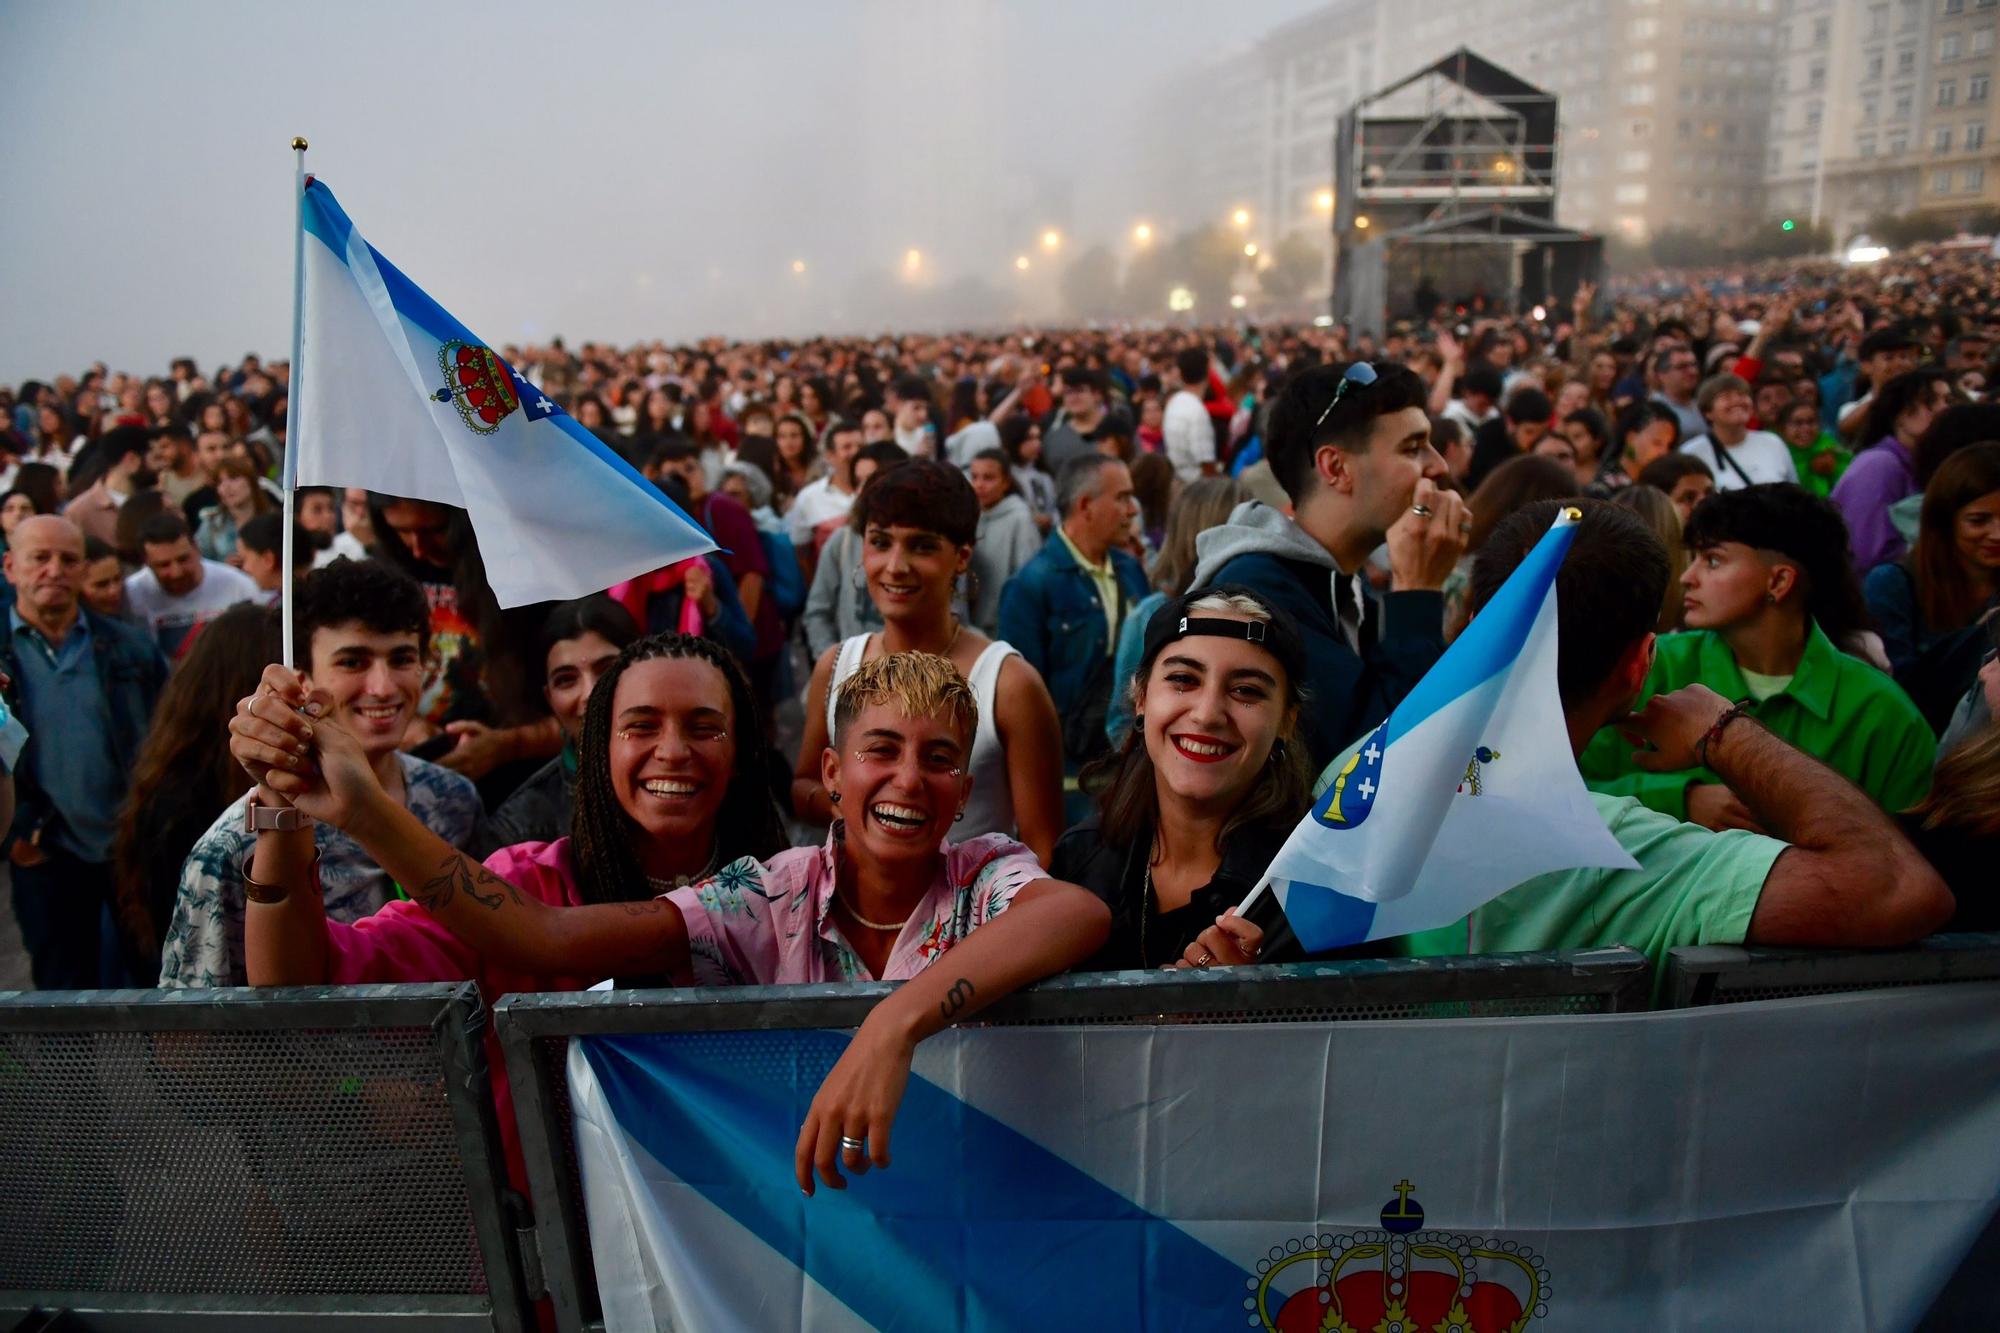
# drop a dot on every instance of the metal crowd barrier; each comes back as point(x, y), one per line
point(535, 1030)
point(1727, 974)
point(252, 1159)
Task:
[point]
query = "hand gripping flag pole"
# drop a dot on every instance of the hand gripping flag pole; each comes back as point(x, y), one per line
point(291, 466)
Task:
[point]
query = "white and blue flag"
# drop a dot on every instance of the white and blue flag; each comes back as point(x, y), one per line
point(398, 396)
point(1467, 790)
point(1801, 1160)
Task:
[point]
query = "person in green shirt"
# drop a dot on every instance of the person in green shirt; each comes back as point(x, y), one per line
point(1833, 870)
point(1818, 454)
point(1766, 596)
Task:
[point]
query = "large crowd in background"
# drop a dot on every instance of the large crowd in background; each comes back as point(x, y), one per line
point(1027, 649)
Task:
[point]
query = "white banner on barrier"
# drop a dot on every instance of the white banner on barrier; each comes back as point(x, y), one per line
point(1817, 1164)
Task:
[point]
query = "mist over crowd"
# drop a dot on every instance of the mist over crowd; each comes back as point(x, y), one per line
point(619, 171)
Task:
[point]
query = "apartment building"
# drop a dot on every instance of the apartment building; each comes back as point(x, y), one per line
point(1664, 104)
point(1958, 176)
point(1884, 107)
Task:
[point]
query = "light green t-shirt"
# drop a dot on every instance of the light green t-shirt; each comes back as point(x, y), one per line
point(1692, 887)
point(1764, 687)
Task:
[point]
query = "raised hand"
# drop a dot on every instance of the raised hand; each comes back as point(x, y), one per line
point(271, 733)
point(1426, 542)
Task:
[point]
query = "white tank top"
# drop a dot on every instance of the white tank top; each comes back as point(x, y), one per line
point(990, 808)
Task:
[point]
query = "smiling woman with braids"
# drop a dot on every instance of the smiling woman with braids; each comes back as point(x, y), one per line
point(885, 897)
point(643, 822)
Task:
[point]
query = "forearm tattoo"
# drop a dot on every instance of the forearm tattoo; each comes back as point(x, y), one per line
point(459, 874)
point(956, 999)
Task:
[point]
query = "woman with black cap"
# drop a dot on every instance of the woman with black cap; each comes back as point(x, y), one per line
point(1204, 790)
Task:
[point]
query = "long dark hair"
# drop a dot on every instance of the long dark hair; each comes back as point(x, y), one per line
point(602, 856)
point(1947, 595)
point(1125, 782)
point(185, 760)
point(38, 481)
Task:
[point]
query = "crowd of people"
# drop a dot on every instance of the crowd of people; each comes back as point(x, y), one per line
point(1064, 625)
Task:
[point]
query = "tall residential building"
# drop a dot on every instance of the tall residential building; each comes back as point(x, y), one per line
point(1886, 109)
point(1958, 177)
point(1664, 103)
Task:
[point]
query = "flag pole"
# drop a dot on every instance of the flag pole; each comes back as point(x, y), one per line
point(291, 468)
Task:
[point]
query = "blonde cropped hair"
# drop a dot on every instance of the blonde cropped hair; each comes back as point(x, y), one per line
point(916, 685)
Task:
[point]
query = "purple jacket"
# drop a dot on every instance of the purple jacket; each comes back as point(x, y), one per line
point(1877, 478)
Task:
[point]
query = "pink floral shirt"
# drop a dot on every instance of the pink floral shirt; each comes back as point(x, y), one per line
point(771, 923)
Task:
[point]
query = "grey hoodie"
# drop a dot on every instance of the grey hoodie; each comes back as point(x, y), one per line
point(1254, 528)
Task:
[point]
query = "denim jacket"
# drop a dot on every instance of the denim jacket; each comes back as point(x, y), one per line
point(132, 673)
point(1051, 611)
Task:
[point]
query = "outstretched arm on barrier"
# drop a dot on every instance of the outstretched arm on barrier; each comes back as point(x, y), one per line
point(321, 770)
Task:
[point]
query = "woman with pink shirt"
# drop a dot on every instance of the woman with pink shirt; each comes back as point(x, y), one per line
point(885, 897)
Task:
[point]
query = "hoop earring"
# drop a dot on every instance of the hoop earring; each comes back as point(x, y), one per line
point(958, 818)
point(833, 796)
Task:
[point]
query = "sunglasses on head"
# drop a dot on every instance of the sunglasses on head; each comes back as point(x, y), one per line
point(1359, 375)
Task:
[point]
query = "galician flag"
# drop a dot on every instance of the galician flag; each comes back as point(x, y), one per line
point(398, 396)
point(1468, 789)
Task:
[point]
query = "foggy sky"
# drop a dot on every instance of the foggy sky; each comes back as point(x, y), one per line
point(619, 171)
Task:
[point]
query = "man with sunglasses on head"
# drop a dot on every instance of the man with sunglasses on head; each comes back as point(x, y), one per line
point(1352, 450)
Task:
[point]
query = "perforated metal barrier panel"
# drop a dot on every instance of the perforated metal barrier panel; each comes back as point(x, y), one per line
point(271, 1151)
point(535, 1031)
point(1721, 974)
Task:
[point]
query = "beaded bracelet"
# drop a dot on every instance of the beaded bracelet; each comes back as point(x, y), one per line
point(1715, 729)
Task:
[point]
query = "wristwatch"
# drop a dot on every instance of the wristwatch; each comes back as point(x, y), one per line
point(258, 818)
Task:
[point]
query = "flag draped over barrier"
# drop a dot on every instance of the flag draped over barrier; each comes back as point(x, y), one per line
point(398, 396)
point(1468, 789)
point(1799, 1164)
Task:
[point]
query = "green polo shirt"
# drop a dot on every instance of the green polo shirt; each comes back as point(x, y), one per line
point(1836, 708)
point(1692, 887)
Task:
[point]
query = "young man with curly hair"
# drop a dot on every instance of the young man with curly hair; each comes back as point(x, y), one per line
point(363, 626)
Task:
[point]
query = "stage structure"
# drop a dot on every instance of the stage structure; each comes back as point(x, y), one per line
point(1445, 185)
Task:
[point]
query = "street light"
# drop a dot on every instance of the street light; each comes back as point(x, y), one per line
point(1241, 217)
point(1143, 233)
point(1323, 201)
point(1051, 239)
point(1021, 263)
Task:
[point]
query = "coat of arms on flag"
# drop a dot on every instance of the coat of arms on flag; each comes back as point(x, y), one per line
point(478, 383)
point(1400, 1279)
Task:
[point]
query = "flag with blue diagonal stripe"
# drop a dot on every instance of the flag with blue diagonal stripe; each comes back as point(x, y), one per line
point(1468, 789)
point(398, 396)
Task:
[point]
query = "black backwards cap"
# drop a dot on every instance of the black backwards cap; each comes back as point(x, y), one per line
point(1278, 636)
